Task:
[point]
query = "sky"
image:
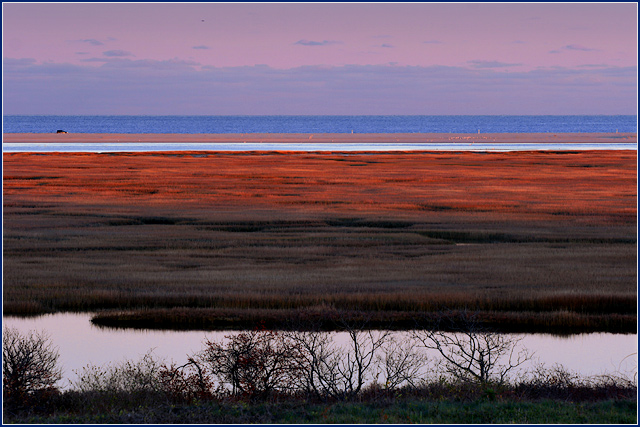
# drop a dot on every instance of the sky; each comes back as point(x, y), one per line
point(319, 58)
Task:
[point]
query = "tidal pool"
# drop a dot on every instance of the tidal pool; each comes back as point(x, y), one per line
point(80, 343)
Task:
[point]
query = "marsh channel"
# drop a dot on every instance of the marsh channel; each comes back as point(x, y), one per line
point(80, 343)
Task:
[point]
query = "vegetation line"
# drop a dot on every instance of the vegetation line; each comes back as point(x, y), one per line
point(328, 320)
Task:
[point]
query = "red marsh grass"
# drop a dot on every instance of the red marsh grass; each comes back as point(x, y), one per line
point(520, 235)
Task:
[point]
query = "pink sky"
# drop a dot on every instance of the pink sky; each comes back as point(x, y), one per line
point(412, 58)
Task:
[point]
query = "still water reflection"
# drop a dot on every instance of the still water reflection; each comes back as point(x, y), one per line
point(80, 343)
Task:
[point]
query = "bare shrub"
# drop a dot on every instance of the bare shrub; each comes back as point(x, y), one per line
point(316, 348)
point(334, 371)
point(557, 377)
point(560, 383)
point(400, 363)
point(471, 353)
point(256, 363)
point(187, 382)
point(127, 376)
point(29, 366)
point(346, 372)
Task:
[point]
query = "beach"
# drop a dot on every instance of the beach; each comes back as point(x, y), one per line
point(601, 138)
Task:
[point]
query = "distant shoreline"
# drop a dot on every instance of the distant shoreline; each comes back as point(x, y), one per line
point(627, 137)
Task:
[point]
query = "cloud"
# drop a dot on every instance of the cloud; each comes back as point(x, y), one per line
point(593, 66)
point(28, 70)
point(169, 64)
point(304, 42)
point(14, 63)
point(578, 47)
point(117, 53)
point(92, 42)
point(490, 64)
point(386, 45)
point(127, 86)
point(201, 47)
point(123, 64)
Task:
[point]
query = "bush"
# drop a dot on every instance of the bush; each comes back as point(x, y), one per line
point(127, 376)
point(186, 383)
point(144, 381)
point(336, 372)
point(29, 368)
point(255, 364)
point(471, 353)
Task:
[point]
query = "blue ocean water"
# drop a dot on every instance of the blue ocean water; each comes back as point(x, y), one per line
point(319, 124)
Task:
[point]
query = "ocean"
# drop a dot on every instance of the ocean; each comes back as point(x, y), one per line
point(319, 124)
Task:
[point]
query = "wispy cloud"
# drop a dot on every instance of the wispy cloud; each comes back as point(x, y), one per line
point(593, 66)
point(305, 42)
point(579, 47)
point(201, 47)
point(490, 64)
point(386, 45)
point(92, 42)
point(124, 64)
point(117, 53)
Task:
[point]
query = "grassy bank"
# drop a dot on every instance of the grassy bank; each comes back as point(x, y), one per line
point(330, 319)
point(405, 411)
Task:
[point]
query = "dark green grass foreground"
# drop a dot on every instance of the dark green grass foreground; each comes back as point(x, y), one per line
point(399, 411)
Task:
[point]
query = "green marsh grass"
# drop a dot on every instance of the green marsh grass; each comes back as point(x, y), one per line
point(417, 407)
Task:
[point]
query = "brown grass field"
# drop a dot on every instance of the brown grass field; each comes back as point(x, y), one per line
point(533, 241)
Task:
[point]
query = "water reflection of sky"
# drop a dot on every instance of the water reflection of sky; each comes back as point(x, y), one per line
point(252, 146)
point(80, 343)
